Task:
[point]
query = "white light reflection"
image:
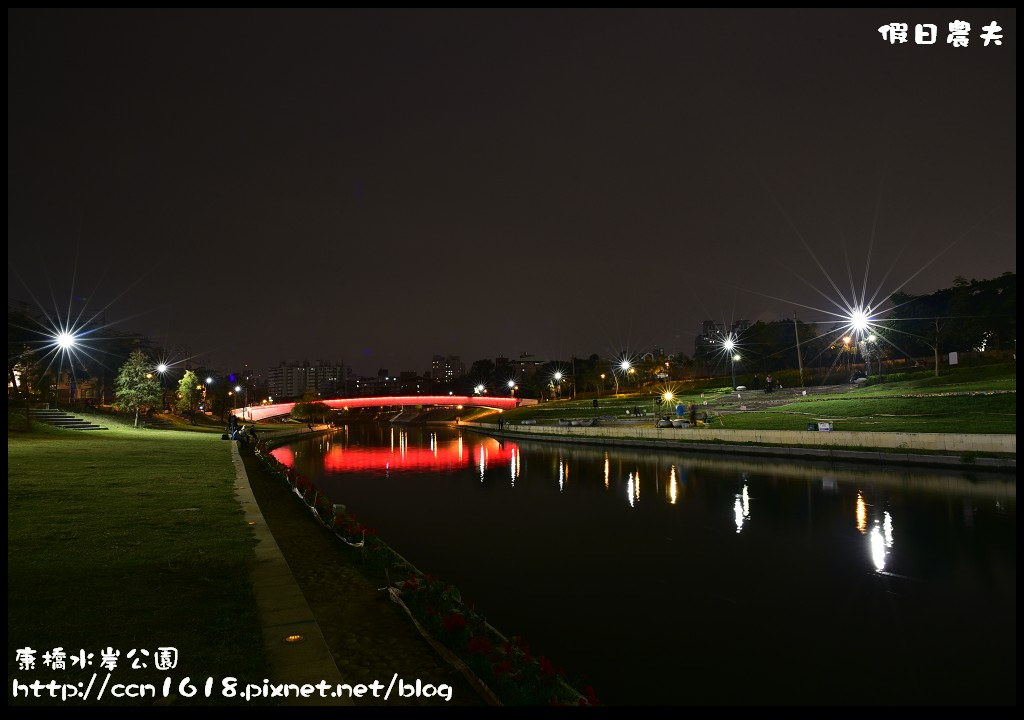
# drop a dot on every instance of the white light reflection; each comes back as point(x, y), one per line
point(877, 548)
point(741, 509)
point(460, 448)
point(673, 488)
point(606, 470)
point(629, 491)
point(887, 529)
point(561, 475)
point(483, 463)
point(512, 467)
point(862, 514)
point(392, 439)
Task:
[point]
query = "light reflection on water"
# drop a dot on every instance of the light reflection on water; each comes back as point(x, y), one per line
point(820, 552)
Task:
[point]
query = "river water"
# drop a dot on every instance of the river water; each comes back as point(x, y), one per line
point(671, 578)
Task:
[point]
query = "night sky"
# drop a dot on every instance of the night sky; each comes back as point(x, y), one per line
point(379, 187)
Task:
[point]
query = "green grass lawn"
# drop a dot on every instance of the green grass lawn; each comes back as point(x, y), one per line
point(955, 414)
point(129, 539)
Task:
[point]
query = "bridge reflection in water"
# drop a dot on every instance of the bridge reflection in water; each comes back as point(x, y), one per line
point(440, 455)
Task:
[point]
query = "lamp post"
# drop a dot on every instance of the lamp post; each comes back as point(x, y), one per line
point(730, 344)
point(625, 366)
point(162, 369)
point(871, 346)
point(511, 388)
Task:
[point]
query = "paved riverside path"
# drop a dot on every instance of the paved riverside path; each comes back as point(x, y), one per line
point(789, 443)
point(369, 637)
point(283, 608)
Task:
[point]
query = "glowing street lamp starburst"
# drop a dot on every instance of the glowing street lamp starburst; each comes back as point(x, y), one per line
point(859, 320)
point(65, 340)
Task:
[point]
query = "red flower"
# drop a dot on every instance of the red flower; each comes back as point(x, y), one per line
point(546, 667)
point(591, 697)
point(502, 668)
point(454, 622)
point(478, 645)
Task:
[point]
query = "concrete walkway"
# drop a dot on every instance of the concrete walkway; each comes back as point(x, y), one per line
point(674, 439)
point(283, 609)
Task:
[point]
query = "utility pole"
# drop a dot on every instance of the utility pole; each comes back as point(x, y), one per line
point(573, 377)
point(799, 357)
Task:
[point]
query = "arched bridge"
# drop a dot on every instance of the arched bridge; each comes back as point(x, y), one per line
point(262, 412)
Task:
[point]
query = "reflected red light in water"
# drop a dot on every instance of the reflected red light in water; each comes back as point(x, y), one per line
point(284, 454)
point(381, 459)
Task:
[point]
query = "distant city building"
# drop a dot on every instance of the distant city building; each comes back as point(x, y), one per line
point(740, 326)
point(293, 380)
point(526, 366)
point(709, 339)
point(447, 368)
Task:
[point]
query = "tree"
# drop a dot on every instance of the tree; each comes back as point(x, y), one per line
point(309, 411)
point(220, 401)
point(135, 386)
point(190, 393)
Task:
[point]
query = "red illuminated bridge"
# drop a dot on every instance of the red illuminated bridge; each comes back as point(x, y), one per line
point(262, 412)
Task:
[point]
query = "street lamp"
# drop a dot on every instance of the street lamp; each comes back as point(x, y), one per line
point(162, 369)
point(557, 384)
point(512, 388)
point(729, 344)
point(65, 340)
point(871, 350)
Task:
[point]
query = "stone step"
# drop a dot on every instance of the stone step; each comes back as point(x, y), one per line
point(61, 419)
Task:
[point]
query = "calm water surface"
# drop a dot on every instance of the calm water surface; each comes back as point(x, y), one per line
point(669, 578)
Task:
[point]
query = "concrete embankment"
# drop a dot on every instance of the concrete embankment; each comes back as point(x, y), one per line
point(886, 447)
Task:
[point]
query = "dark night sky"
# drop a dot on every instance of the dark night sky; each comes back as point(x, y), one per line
point(378, 187)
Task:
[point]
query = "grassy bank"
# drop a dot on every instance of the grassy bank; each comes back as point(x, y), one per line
point(130, 539)
point(955, 414)
point(968, 400)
